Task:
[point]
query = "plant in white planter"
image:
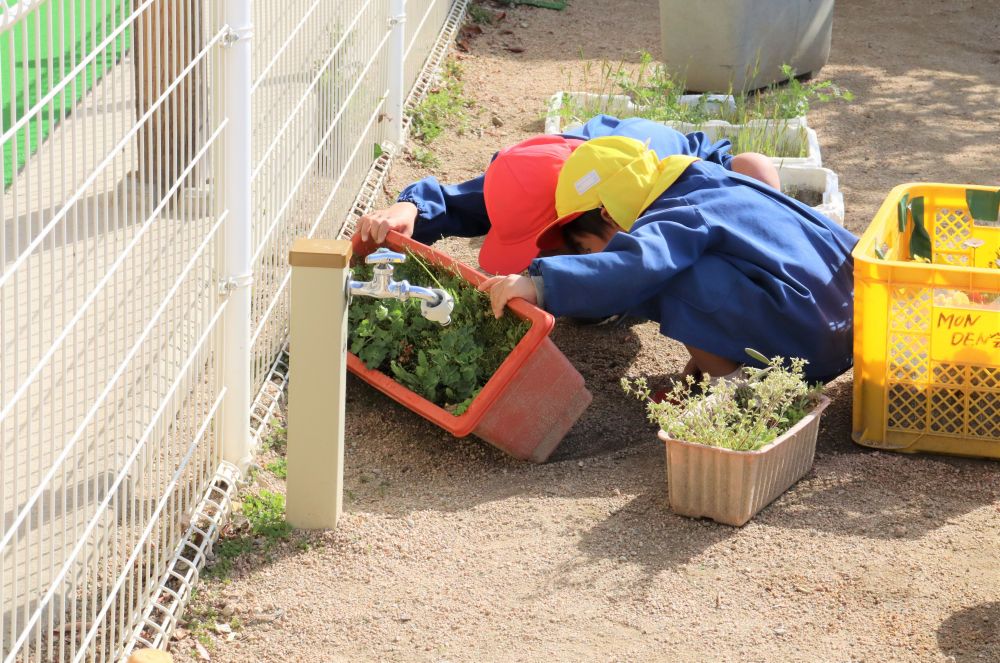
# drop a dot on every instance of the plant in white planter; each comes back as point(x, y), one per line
point(733, 446)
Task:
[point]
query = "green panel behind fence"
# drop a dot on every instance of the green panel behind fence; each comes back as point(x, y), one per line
point(40, 52)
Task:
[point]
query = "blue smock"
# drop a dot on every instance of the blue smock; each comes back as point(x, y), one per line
point(723, 262)
point(448, 210)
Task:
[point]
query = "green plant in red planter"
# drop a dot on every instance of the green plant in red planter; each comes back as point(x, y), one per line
point(733, 446)
point(446, 365)
point(501, 380)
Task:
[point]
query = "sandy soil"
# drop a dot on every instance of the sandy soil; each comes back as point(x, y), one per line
point(450, 551)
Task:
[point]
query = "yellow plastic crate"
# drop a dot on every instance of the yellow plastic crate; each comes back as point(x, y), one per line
point(927, 322)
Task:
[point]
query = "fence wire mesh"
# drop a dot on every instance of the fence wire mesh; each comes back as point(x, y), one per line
point(108, 311)
point(111, 250)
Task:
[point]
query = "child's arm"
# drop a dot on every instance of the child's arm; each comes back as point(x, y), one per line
point(502, 289)
point(447, 210)
point(634, 267)
point(428, 210)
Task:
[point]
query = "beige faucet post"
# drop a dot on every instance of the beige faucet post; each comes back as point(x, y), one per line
point(317, 381)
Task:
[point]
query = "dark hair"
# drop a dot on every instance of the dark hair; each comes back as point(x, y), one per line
point(588, 223)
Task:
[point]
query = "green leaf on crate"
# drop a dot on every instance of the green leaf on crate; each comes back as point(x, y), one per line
point(920, 240)
point(983, 205)
point(901, 208)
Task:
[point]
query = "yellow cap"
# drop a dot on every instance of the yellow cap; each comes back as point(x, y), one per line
point(618, 173)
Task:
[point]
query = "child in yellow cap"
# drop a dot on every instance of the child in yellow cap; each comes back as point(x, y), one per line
point(720, 260)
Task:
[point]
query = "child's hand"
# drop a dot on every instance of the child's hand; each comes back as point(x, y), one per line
point(376, 224)
point(502, 289)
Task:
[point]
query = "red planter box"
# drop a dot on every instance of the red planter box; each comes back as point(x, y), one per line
point(529, 404)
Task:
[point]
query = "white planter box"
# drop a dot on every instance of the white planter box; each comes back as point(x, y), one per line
point(731, 487)
point(618, 105)
point(795, 132)
point(820, 184)
point(716, 45)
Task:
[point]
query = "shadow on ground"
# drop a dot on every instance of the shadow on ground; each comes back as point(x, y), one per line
point(972, 634)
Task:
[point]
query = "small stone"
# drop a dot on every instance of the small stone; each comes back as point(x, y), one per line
point(497, 122)
point(404, 617)
point(579, 464)
point(523, 24)
point(228, 610)
point(899, 531)
point(779, 630)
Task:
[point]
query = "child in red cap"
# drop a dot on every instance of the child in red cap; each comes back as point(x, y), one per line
point(510, 208)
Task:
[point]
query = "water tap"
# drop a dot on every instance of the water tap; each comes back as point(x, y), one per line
point(435, 304)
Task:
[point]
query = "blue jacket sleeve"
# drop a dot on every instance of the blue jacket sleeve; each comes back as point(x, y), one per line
point(717, 152)
point(663, 140)
point(634, 268)
point(447, 210)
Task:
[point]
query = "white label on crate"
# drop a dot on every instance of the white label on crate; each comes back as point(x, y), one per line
point(967, 335)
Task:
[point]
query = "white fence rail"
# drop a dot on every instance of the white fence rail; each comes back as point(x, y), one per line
point(159, 156)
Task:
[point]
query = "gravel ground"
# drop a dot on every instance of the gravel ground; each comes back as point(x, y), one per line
point(449, 550)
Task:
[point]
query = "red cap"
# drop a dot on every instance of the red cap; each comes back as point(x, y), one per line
point(519, 191)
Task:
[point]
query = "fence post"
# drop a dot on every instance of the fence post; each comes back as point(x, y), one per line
point(397, 68)
point(236, 271)
point(318, 380)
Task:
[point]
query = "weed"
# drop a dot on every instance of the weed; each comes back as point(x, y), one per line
point(226, 551)
point(424, 157)
point(794, 97)
point(266, 513)
point(279, 468)
point(480, 15)
point(444, 106)
point(651, 92)
point(200, 620)
point(446, 365)
point(742, 415)
point(278, 439)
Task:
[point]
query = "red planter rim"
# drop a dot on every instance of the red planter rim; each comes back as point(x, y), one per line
point(461, 425)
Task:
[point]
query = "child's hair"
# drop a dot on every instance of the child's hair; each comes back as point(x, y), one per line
point(588, 223)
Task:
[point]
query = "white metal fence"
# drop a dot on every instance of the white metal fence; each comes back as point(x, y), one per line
point(158, 158)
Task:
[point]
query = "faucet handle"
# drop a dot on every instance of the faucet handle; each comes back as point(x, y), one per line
point(384, 256)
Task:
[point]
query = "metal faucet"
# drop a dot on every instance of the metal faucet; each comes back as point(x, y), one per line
point(435, 304)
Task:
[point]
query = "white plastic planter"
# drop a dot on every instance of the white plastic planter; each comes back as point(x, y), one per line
point(618, 105)
point(822, 183)
point(731, 487)
point(794, 133)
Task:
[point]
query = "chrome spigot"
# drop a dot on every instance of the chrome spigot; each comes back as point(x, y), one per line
point(435, 304)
